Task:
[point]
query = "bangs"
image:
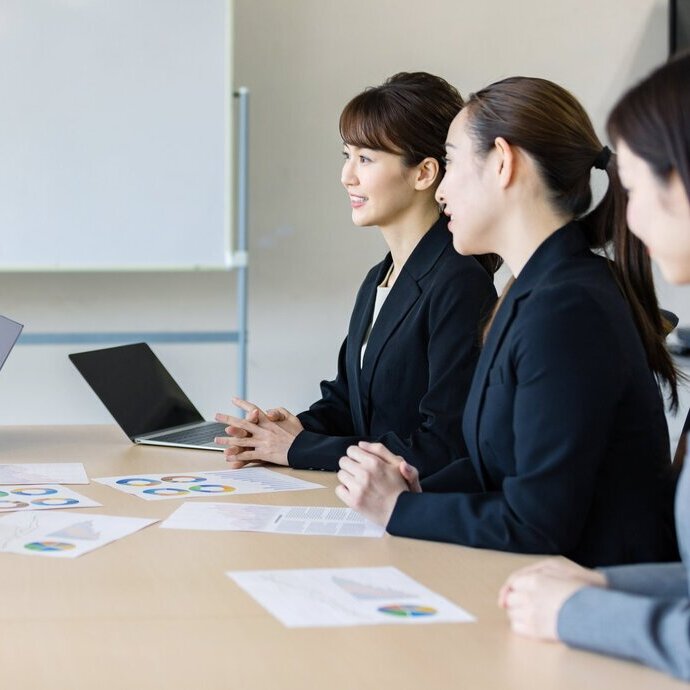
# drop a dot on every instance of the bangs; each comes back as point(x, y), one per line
point(365, 123)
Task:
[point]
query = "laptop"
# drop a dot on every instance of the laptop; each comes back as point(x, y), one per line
point(9, 333)
point(144, 399)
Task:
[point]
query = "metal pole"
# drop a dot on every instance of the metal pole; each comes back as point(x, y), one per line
point(241, 253)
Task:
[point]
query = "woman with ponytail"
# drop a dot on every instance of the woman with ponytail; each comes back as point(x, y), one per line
point(639, 612)
point(565, 427)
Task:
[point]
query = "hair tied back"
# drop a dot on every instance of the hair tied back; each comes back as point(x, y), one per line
point(602, 160)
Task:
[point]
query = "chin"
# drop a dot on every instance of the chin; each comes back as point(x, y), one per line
point(676, 274)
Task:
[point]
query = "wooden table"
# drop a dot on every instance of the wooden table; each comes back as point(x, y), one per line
point(156, 610)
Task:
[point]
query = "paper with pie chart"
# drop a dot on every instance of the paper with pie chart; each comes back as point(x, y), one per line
point(331, 597)
point(246, 517)
point(216, 483)
point(41, 497)
point(63, 535)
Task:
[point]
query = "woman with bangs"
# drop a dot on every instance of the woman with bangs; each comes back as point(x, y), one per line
point(568, 449)
point(405, 367)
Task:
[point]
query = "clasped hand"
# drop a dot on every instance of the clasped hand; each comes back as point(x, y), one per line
point(371, 479)
point(260, 436)
point(534, 596)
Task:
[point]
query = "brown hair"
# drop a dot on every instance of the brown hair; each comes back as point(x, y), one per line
point(653, 118)
point(548, 123)
point(408, 115)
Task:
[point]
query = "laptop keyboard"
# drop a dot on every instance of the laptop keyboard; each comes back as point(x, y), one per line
point(197, 436)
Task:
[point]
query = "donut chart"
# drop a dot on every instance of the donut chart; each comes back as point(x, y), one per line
point(55, 502)
point(137, 481)
point(183, 479)
point(212, 488)
point(12, 505)
point(165, 491)
point(43, 546)
point(407, 610)
point(35, 491)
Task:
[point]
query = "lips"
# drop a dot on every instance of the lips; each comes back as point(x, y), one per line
point(357, 201)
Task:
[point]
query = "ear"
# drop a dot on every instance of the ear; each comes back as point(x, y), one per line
point(505, 161)
point(427, 174)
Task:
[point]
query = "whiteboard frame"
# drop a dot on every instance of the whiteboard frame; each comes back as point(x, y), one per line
point(232, 258)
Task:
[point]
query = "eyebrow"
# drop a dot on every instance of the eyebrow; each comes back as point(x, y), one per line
point(448, 145)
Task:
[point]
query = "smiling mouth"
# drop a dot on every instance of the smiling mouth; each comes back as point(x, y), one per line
point(357, 200)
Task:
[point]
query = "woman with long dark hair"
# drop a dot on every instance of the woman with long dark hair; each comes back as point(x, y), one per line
point(639, 612)
point(406, 364)
point(564, 424)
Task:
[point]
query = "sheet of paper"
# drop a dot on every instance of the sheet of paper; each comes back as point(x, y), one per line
point(41, 497)
point(329, 597)
point(63, 535)
point(43, 473)
point(244, 517)
point(250, 480)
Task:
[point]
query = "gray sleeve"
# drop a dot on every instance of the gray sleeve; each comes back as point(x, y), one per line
point(653, 631)
point(649, 579)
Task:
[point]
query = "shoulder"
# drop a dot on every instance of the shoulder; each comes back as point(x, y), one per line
point(580, 307)
point(458, 276)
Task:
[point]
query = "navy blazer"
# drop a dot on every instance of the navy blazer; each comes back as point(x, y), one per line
point(564, 424)
point(411, 388)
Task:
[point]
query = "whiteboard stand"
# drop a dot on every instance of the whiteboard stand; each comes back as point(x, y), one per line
point(238, 259)
point(242, 254)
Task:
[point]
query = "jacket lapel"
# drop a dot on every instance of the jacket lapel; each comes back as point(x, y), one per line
point(402, 297)
point(359, 323)
point(565, 243)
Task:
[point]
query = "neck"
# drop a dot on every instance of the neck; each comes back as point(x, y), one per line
point(403, 236)
point(524, 232)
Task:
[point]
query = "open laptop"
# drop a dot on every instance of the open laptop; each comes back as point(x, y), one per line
point(144, 398)
point(9, 333)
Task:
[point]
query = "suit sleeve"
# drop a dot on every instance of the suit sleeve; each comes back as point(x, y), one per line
point(560, 407)
point(649, 579)
point(454, 315)
point(652, 630)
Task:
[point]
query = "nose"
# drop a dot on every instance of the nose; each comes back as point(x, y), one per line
point(348, 174)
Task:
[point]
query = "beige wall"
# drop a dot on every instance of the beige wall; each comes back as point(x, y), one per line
point(302, 60)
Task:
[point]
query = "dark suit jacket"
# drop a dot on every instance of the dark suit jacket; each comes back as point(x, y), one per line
point(564, 424)
point(410, 392)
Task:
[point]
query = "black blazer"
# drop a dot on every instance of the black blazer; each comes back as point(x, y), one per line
point(410, 392)
point(564, 424)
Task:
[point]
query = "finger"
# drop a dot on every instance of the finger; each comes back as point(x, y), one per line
point(236, 423)
point(244, 457)
point(275, 415)
point(245, 405)
point(236, 432)
point(359, 473)
point(363, 457)
point(343, 494)
point(409, 473)
point(253, 416)
point(381, 451)
point(347, 467)
point(233, 441)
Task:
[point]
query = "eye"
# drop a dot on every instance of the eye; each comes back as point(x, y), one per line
point(346, 155)
point(364, 159)
point(445, 160)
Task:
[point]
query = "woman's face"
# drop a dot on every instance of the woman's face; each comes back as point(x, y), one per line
point(658, 213)
point(466, 193)
point(380, 186)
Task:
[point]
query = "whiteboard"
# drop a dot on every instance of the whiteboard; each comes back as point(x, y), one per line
point(115, 134)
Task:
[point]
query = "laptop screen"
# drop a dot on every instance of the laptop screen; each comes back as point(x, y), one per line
point(136, 388)
point(9, 332)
